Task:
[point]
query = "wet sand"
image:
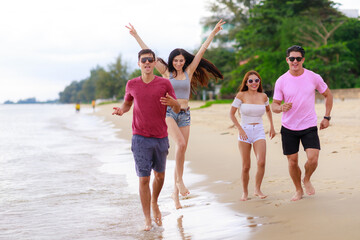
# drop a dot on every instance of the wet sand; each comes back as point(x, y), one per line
point(332, 213)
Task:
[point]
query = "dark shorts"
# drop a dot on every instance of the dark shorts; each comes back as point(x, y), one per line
point(149, 153)
point(291, 139)
point(182, 118)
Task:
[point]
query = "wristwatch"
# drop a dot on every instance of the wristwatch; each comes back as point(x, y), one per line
point(327, 118)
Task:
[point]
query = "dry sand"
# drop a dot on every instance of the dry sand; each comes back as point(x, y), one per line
point(332, 213)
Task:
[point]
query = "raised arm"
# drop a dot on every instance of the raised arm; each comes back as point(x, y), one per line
point(159, 66)
point(194, 64)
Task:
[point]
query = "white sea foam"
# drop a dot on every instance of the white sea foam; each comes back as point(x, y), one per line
point(65, 175)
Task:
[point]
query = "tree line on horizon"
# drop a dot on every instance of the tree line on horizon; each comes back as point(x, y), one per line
point(256, 37)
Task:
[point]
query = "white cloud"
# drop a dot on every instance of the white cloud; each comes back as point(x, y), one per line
point(44, 45)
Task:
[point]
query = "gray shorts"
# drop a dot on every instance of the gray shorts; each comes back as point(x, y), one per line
point(182, 118)
point(149, 153)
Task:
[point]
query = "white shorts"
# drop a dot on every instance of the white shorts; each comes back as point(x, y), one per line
point(253, 132)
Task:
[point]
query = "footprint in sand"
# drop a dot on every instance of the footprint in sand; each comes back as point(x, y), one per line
point(190, 196)
point(188, 205)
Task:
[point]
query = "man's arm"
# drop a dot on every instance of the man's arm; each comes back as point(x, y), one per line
point(277, 107)
point(170, 101)
point(328, 106)
point(176, 106)
point(125, 107)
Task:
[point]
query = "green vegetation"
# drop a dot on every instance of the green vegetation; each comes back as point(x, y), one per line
point(209, 103)
point(108, 102)
point(256, 36)
point(263, 30)
point(30, 101)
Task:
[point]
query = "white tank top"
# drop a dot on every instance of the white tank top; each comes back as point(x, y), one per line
point(250, 113)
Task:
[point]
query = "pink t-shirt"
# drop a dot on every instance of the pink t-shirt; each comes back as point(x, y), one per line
point(300, 91)
point(148, 113)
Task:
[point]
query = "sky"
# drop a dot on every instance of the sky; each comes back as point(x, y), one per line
point(47, 44)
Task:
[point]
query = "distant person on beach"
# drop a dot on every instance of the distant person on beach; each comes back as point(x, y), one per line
point(93, 104)
point(151, 95)
point(252, 103)
point(185, 72)
point(77, 107)
point(296, 88)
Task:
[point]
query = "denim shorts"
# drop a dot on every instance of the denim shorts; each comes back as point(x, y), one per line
point(253, 132)
point(149, 153)
point(182, 118)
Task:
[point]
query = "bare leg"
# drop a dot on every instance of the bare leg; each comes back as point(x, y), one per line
point(181, 137)
point(145, 197)
point(295, 174)
point(245, 149)
point(310, 167)
point(260, 153)
point(157, 186)
point(175, 194)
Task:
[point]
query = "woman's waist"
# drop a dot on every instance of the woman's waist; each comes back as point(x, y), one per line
point(184, 103)
point(251, 120)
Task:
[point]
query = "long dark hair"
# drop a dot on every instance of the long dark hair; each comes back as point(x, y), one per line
point(244, 88)
point(205, 70)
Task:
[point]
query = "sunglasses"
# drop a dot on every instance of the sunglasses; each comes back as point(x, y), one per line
point(251, 81)
point(293, 59)
point(144, 59)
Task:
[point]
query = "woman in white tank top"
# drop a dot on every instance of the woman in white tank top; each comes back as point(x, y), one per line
point(252, 103)
point(185, 72)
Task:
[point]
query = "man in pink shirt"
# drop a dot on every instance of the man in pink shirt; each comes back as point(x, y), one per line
point(151, 95)
point(296, 88)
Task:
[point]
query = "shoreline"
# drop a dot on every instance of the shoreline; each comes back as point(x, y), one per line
point(212, 151)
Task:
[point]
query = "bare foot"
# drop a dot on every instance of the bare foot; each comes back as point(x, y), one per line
point(309, 189)
point(259, 194)
point(182, 189)
point(156, 213)
point(297, 196)
point(244, 197)
point(175, 197)
point(148, 225)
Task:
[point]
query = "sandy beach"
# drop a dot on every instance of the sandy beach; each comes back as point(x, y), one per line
point(332, 213)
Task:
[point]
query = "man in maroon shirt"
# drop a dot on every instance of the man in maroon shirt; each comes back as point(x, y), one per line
point(151, 95)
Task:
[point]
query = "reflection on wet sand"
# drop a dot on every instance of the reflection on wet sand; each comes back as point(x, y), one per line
point(184, 236)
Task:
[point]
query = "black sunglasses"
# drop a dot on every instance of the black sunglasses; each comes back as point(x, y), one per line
point(251, 81)
point(297, 59)
point(144, 59)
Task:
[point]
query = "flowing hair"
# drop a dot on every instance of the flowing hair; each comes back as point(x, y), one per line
point(203, 73)
point(244, 88)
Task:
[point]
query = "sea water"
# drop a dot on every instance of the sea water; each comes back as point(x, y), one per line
point(65, 175)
